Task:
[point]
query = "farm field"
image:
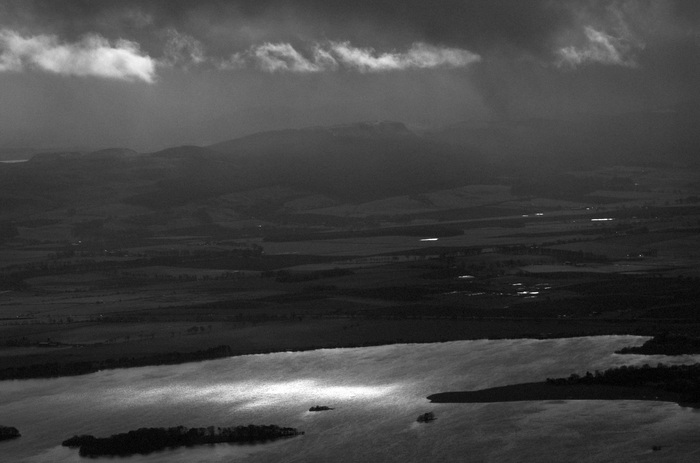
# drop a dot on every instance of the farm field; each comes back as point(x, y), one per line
point(466, 263)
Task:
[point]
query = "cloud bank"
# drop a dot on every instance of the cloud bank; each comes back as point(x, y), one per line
point(234, 67)
point(182, 50)
point(601, 48)
point(283, 57)
point(275, 57)
point(419, 56)
point(94, 55)
point(268, 34)
point(91, 56)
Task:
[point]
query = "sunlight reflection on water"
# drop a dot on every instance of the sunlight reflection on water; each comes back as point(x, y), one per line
point(250, 394)
point(376, 393)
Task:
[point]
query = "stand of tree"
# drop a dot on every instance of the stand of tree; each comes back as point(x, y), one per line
point(681, 379)
point(320, 408)
point(8, 432)
point(53, 370)
point(666, 344)
point(147, 440)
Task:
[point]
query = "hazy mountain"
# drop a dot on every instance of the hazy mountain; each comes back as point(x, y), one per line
point(347, 163)
point(109, 154)
point(354, 162)
point(14, 154)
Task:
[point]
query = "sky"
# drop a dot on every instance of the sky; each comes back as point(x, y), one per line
point(156, 73)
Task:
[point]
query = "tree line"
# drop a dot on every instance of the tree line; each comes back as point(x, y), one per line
point(55, 369)
point(147, 440)
point(682, 379)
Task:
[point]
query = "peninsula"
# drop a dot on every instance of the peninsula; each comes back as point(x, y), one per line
point(679, 384)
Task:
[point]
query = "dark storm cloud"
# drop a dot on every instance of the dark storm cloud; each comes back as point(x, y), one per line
point(159, 72)
point(476, 23)
point(575, 30)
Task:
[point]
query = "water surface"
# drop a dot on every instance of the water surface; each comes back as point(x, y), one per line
point(377, 393)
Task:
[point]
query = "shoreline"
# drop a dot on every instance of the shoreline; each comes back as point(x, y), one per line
point(48, 370)
point(543, 391)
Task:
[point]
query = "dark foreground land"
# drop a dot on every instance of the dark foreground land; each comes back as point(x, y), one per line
point(114, 283)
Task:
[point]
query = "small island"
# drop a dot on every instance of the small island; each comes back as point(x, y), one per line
point(677, 383)
point(8, 432)
point(148, 440)
point(426, 417)
point(320, 408)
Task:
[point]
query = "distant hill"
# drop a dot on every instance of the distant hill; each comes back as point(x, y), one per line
point(351, 163)
point(187, 174)
point(348, 163)
point(56, 180)
point(356, 162)
point(278, 138)
point(15, 154)
point(110, 154)
point(183, 152)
